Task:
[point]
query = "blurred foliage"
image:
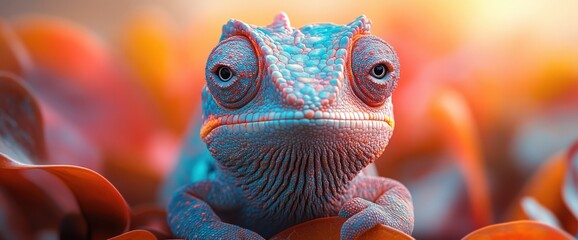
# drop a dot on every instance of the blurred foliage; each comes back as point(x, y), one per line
point(486, 109)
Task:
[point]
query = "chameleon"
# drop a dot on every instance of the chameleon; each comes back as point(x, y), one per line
point(292, 117)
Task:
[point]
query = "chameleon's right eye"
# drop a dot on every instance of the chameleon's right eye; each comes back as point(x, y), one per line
point(232, 72)
point(224, 73)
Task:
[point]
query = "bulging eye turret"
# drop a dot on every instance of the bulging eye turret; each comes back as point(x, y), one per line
point(375, 70)
point(379, 71)
point(232, 72)
point(225, 74)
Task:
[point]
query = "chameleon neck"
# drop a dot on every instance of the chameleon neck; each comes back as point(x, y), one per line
point(300, 181)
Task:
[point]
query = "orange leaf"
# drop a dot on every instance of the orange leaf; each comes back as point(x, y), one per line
point(330, 228)
point(526, 230)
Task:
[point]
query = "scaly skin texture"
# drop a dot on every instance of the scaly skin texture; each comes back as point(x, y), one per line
point(291, 122)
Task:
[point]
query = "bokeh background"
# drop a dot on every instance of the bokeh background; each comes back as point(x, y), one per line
point(486, 108)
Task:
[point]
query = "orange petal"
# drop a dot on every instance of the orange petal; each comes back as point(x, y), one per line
point(526, 230)
point(21, 138)
point(330, 228)
point(545, 187)
point(135, 235)
point(21, 141)
point(152, 218)
point(385, 232)
point(104, 209)
point(137, 182)
point(30, 201)
point(456, 121)
point(66, 144)
point(18, 226)
point(537, 212)
point(21, 128)
point(570, 185)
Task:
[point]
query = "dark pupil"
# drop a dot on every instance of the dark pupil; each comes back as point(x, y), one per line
point(224, 73)
point(379, 71)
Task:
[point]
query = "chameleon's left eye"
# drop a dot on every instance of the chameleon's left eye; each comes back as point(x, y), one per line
point(379, 71)
point(233, 72)
point(375, 70)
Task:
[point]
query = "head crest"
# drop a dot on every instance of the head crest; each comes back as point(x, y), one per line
point(281, 23)
point(361, 24)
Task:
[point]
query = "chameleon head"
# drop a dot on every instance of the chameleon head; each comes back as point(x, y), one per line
point(316, 97)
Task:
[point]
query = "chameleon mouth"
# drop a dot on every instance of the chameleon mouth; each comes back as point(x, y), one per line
point(256, 120)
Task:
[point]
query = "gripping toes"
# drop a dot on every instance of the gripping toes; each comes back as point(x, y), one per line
point(362, 215)
point(220, 230)
point(191, 218)
point(234, 232)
